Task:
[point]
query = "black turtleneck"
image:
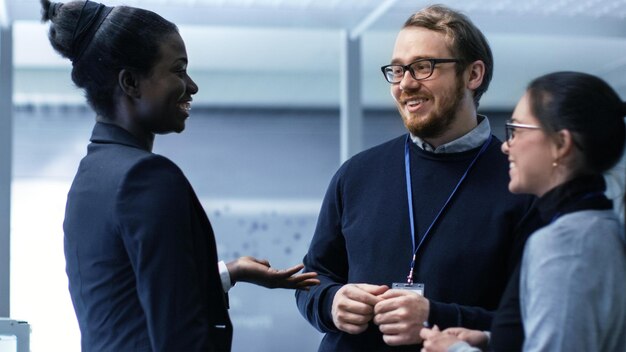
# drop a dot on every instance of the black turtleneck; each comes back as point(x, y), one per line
point(581, 193)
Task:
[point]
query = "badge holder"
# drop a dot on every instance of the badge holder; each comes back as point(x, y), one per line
point(415, 287)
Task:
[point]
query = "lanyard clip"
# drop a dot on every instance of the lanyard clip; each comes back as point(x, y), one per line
point(409, 279)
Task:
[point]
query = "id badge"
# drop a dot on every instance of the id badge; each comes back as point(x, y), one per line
point(415, 287)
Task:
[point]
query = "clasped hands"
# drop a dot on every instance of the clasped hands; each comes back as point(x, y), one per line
point(399, 314)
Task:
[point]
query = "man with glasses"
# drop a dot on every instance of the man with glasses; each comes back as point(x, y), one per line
point(419, 230)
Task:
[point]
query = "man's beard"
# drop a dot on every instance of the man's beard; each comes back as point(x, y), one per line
point(439, 120)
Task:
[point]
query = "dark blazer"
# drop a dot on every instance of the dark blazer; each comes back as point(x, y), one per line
point(140, 252)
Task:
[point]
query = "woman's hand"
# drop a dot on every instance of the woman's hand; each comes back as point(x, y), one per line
point(436, 341)
point(259, 272)
point(475, 338)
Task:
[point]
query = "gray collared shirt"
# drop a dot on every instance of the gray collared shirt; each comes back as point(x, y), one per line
point(473, 139)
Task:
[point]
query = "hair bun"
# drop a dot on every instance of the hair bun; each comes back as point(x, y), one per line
point(49, 10)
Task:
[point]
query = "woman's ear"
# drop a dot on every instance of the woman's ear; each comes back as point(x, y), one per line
point(128, 82)
point(476, 74)
point(563, 144)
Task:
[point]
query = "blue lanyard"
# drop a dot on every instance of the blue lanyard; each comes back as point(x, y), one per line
point(409, 192)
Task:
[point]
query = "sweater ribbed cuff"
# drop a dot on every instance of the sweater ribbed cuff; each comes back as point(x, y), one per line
point(444, 315)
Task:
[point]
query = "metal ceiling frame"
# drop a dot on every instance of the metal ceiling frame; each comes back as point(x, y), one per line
point(350, 84)
point(370, 19)
point(4, 14)
point(6, 142)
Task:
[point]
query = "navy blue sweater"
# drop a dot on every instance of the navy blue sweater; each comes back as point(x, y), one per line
point(363, 236)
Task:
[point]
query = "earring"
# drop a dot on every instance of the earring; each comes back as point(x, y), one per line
point(555, 164)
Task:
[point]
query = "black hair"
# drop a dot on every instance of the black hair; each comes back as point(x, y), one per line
point(586, 106)
point(128, 38)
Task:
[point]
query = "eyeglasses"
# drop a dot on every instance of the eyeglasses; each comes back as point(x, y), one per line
point(420, 69)
point(509, 130)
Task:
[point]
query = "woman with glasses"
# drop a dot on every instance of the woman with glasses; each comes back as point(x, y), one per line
point(566, 131)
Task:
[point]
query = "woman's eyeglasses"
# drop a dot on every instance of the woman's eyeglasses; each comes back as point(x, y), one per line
point(509, 130)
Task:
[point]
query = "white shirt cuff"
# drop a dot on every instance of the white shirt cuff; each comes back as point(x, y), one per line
point(224, 275)
point(488, 333)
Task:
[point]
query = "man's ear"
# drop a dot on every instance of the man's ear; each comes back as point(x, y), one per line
point(476, 74)
point(128, 82)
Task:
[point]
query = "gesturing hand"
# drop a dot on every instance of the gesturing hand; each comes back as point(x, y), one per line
point(259, 272)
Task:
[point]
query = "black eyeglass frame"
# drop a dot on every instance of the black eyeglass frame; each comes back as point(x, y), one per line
point(509, 130)
point(405, 68)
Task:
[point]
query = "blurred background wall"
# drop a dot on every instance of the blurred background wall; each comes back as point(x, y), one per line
point(264, 135)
